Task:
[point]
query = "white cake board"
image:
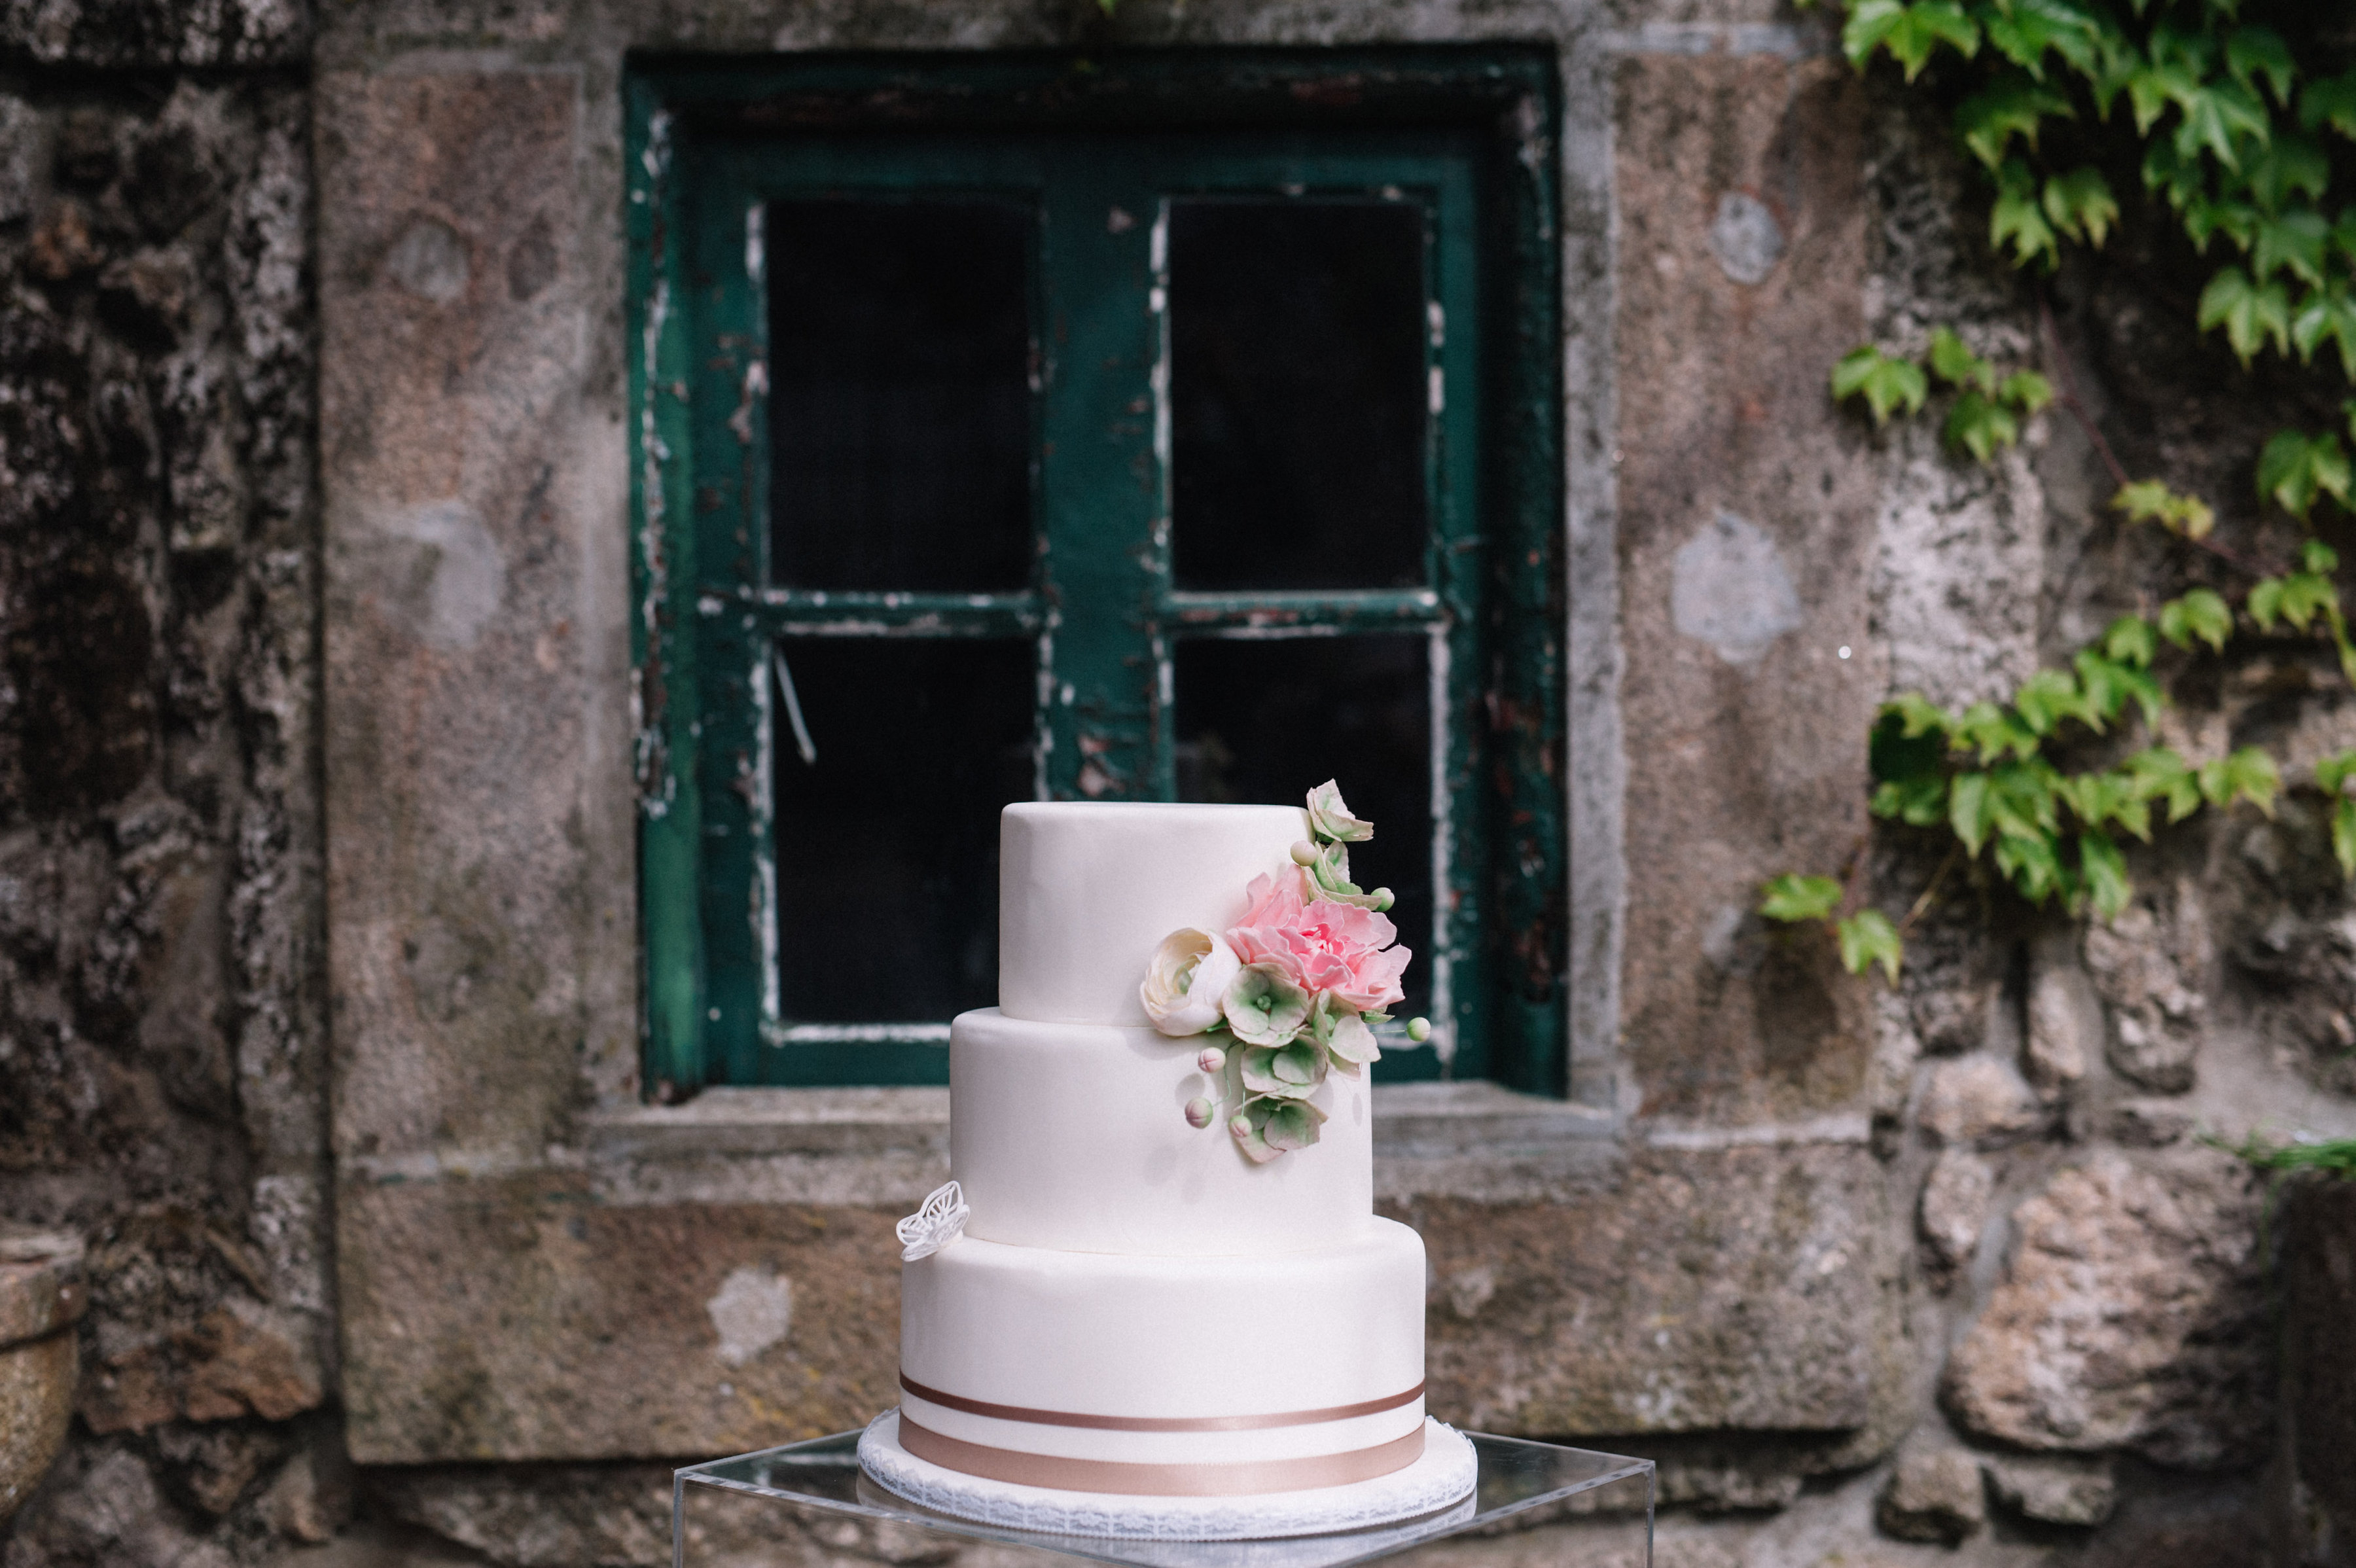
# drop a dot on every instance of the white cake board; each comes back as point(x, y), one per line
point(1446, 1473)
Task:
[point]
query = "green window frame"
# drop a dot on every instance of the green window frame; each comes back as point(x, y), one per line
point(1465, 135)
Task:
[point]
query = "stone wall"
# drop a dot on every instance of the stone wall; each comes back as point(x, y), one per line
point(311, 609)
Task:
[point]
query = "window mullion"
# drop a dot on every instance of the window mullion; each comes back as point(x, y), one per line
point(1100, 484)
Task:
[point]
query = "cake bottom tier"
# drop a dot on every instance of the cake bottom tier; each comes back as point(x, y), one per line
point(1157, 1375)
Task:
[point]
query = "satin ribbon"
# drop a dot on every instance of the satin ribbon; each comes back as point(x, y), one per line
point(1223, 1480)
point(1158, 1423)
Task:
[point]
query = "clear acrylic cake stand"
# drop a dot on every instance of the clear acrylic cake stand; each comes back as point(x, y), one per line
point(808, 1502)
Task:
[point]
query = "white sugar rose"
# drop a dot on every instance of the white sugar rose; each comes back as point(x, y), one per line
point(1186, 981)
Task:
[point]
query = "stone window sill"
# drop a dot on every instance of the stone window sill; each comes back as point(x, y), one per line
point(890, 1146)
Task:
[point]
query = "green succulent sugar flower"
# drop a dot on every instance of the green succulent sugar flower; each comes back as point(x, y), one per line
point(1331, 820)
point(1263, 1006)
point(1284, 1072)
point(1342, 1034)
point(1267, 1128)
point(1330, 869)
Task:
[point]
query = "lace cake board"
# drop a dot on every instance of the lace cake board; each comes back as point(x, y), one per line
point(1445, 1473)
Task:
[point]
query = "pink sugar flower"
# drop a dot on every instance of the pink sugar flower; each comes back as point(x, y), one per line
point(1322, 945)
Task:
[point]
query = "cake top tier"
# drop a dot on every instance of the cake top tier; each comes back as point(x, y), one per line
point(1087, 889)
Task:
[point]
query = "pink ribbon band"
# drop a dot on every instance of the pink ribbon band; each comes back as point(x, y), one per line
point(1157, 1423)
point(1226, 1480)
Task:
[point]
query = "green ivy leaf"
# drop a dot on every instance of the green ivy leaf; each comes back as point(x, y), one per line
point(1911, 33)
point(2327, 314)
point(1956, 365)
point(2343, 836)
point(2149, 501)
point(2217, 115)
point(2163, 82)
point(2306, 594)
point(2103, 871)
point(1995, 732)
point(2080, 205)
point(2260, 51)
point(1867, 937)
point(2160, 774)
point(2024, 30)
point(2027, 390)
point(2332, 772)
point(2201, 613)
point(1918, 715)
point(2264, 602)
point(2250, 313)
point(2021, 801)
point(2329, 101)
point(1970, 810)
point(1886, 384)
point(2014, 106)
point(2248, 774)
point(2204, 219)
point(2315, 556)
point(2294, 469)
point(2166, 173)
point(2048, 697)
point(2295, 241)
point(1792, 896)
point(2289, 166)
point(2031, 864)
point(1918, 802)
point(2019, 218)
point(1980, 424)
point(2110, 686)
point(2131, 640)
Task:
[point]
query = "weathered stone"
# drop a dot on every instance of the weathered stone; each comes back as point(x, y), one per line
point(40, 1297)
point(2319, 1263)
point(217, 1464)
point(2149, 1124)
point(2145, 971)
point(237, 1359)
point(1647, 1310)
point(2065, 1026)
point(1980, 1100)
point(2130, 1316)
point(1716, 799)
point(1933, 1494)
point(2053, 1490)
point(1954, 1207)
point(115, 33)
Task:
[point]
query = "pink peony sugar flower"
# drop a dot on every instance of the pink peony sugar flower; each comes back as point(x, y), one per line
point(1322, 945)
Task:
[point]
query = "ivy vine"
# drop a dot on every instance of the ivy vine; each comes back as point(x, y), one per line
point(2235, 124)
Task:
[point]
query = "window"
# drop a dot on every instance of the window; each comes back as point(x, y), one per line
point(1169, 427)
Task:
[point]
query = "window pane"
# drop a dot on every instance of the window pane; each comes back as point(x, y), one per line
point(899, 394)
point(1297, 394)
point(1267, 720)
point(887, 847)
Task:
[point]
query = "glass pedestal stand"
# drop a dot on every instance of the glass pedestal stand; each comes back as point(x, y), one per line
point(808, 1504)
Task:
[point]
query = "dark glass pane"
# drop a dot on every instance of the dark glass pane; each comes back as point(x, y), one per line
point(899, 394)
point(887, 846)
point(1297, 394)
point(1267, 721)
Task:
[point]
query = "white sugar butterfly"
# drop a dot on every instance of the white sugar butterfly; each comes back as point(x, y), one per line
point(940, 1222)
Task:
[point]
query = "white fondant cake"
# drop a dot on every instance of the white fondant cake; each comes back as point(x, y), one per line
point(1136, 1307)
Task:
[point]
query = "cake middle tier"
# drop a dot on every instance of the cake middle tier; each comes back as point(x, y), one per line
point(1073, 1136)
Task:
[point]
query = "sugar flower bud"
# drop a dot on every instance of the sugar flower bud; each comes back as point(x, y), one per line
point(1418, 1029)
point(1199, 1112)
point(1211, 1060)
point(1331, 820)
point(1304, 852)
point(1263, 1006)
point(1187, 981)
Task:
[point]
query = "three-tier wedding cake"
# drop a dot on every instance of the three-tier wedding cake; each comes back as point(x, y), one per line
point(1157, 1271)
